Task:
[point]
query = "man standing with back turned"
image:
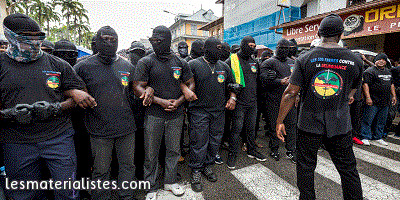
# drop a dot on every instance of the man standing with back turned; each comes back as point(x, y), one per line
point(328, 77)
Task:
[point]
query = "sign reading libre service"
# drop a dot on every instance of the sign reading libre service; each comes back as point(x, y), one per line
point(373, 21)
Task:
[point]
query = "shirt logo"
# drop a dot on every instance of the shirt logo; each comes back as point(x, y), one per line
point(291, 67)
point(53, 80)
point(177, 72)
point(253, 67)
point(385, 77)
point(124, 78)
point(221, 76)
point(327, 84)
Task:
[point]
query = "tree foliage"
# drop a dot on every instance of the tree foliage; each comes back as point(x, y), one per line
point(61, 19)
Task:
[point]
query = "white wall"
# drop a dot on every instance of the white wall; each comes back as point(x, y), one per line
point(315, 7)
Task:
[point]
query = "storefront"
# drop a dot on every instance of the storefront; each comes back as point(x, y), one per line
point(372, 26)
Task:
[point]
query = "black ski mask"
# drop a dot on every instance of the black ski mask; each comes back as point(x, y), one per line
point(93, 45)
point(183, 49)
point(265, 55)
point(136, 52)
point(235, 48)
point(246, 51)
point(212, 50)
point(282, 50)
point(197, 49)
point(107, 44)
point(293, 47)
point(66, 50)
point(161, 42)
point(226, 51)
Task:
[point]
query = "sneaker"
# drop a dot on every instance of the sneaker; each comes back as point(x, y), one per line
point(195, 181)
point(151, 196)
point(381, 142)
point(231, 162)
point(175, 188)
point(209, 174)
point(365, 142)
point(275, 155)
point(357, 141)
point(291, 156)
point(257, 155)
point(218, 160)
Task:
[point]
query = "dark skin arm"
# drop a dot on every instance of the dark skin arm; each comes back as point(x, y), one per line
point(367, 95)
point(188, 93)
point(287, 103)
point(81, 98)
point(231, 104)
point(177, 102)
point(141, 90)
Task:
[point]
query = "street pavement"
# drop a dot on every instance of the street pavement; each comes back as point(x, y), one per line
point(379, 168)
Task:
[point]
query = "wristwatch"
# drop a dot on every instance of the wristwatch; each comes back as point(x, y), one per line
point(234, 98)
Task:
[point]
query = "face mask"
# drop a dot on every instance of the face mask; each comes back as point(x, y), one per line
point(107, 42)
point(183, 52)
point(23, 48)
point(69, 56)
point(135, 57)
point(161, 42)
point(213, 50)
point(245, 50)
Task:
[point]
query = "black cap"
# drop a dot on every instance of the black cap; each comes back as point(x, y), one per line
point(21, 23)
point(135, 45)
point(48, 44)
point(64, 45)
point(331, 25)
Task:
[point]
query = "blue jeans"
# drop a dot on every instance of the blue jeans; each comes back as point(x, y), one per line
point(22, 163)
point(369, 114)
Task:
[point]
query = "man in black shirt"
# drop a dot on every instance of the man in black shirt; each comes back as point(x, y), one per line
point(66, 50)
point(111, 124)
point(245, 71)
point(94, 50)
point(207, 113)
point(164, 72)
point(282, 65)
point(328, 76)
point(34, 124)
point(196, 50)
point(47, 47)
point(379, 92)
point(183, 49)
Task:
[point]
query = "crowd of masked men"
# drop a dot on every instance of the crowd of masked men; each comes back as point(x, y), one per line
point(63, 117)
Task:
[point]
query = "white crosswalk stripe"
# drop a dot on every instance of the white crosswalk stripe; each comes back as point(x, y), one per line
point(390, 146)
point(372, 189)
point(265, 184)
point(381, 161)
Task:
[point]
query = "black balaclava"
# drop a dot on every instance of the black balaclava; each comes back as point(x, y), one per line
point(162, 49)
point(47, 46)
point(107, 49)
point(66, 50)
point(246, 51)
point(235, 48)
point(282, 49)
point(183, 49)
point(265, 55)
point(136, 52)
point(226, 51)
point(293, 48)
point(197, 49)
point(93, 45)
point(331, 25)
point(211, 53)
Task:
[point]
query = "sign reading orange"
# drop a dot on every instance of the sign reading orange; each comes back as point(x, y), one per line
point(375, 21)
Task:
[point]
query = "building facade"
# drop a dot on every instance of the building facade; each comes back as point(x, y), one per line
point(215, 28)
point(372, 25)
point(186, 27)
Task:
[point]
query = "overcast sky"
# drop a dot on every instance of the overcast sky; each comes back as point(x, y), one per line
point(133, 19)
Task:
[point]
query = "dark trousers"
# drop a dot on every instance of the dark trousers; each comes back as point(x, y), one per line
point(155, 129)
point(102, 149)
point(342, 155)
point(243, 118)
point(22, 163)
point(206, 130)
point(290, 125)
point(356, 116)
point(369, 114)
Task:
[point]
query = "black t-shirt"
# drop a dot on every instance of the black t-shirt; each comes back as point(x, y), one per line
point(45, 79)
point(112, 117)
point(396, 76)
point(248, 95)
point(164, 78)
point(274, 88)
point(210, 87)
point(326, 77)
point(379, 83)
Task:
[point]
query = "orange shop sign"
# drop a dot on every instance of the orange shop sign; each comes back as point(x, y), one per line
point(375, 21)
